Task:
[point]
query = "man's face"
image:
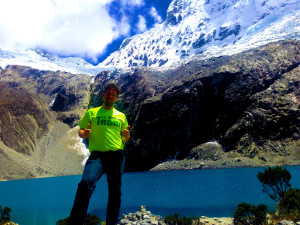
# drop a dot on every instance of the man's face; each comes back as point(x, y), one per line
point(110, 97)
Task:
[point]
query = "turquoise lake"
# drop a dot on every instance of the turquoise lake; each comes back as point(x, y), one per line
point(212, 193)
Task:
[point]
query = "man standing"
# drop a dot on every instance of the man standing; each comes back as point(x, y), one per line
point(107, 130)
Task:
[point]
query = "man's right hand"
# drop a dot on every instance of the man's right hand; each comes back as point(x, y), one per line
point(85, 133)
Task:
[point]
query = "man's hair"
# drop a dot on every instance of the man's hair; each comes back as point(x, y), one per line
point(113, 86)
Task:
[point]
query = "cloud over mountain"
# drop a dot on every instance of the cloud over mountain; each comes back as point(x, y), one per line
point(68, 28)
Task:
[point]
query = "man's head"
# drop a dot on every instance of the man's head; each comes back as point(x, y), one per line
point(110, 95)
point(112, 86)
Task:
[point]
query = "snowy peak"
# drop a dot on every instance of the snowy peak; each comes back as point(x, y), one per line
point(42, 60)
point(221, 13)
point(209, 28)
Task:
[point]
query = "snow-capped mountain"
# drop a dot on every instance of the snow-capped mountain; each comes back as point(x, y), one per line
point(209, 28)
point(202, 28)
point(42, 60)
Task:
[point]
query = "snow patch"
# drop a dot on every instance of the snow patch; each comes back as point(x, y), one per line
point(78, 144)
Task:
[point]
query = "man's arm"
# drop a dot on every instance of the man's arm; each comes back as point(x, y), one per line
point(125, 134)
point(85, 133)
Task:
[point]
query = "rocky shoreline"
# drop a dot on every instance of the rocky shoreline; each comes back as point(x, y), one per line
point(191, 164)
point(211, 155)
point(144, 217)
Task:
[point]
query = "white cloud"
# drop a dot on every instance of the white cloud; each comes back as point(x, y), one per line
point(133, 2)
point(141, 24)
point(153, 12)
point(66, 27)
point(124, 26)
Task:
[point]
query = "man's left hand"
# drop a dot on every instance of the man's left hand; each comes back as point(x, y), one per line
point(125, 134)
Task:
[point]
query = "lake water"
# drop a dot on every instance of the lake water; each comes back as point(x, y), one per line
point(212, 193)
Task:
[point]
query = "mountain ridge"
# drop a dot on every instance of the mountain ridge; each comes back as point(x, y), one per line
point(229, 111)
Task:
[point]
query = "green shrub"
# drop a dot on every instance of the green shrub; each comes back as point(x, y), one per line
point(289, 206)
point(88, 220)
point(247, 214)
point(175, 219)
point(5, 214)
point(275, 181)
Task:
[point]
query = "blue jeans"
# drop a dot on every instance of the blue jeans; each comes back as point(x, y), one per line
point(111, 163)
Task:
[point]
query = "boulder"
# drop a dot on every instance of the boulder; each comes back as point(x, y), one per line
point(207, 151)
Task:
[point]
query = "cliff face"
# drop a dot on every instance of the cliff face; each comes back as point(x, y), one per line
point(248, 103)
point(65, 93)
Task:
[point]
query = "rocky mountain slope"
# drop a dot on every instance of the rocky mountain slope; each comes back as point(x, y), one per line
point(37, 110)
point(245, 108)
point(230, 111)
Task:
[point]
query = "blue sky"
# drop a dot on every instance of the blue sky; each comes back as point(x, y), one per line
point(150, 7)
point(90, 29)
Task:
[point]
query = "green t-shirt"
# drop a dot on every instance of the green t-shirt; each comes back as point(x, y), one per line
point(106, 126)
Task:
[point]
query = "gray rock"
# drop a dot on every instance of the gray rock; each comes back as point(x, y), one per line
point(135, 218)
point(285, 222)
point(124, 222)
point(143, 208)
point(146, 217)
